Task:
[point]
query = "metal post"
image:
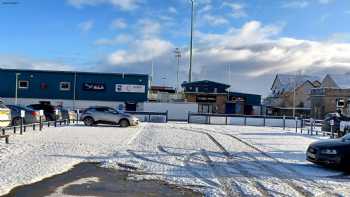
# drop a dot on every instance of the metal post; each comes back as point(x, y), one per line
point(296, 125)
point(332, 133)
point(40, 123)
point(21, 127)
point(191, 42)
point(284, 122)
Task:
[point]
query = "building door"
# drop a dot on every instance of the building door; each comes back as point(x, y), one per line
point(205, 108)
point(130, 106)
point(230, 108)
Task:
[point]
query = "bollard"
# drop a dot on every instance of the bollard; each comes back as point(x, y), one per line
point(21, 127)
point(284, 122)
point(3, 131)
point(296, 125)
point(40, 123)
point(14, 129)
point(33, 126)
point(24, 128)
point(7, 139)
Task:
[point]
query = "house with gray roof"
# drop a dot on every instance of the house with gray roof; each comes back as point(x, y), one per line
point(332, 95)
point(283, 101)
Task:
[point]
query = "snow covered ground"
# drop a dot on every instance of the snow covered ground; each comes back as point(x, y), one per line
point(216, 160)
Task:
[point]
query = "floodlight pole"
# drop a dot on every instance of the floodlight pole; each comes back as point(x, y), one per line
point(191, 42)
point(178, 56)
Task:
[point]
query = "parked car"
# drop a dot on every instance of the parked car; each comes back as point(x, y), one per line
point(107, 115)
point(31, 116)
point(333, 152)
point(49, 111)
point(5, 115)
point(337, 118)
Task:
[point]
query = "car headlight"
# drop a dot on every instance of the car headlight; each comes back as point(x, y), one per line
point(329, 151)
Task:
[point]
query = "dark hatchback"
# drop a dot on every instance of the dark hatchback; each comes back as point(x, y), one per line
point(333, 152)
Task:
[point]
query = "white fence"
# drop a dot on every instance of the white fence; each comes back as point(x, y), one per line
point(158, 117)
point(224, 119)
point(176, 111)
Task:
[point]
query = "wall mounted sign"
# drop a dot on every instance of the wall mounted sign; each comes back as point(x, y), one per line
point(94, 86)
point(130, 88)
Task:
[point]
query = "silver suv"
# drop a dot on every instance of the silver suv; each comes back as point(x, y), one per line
point(106, 115)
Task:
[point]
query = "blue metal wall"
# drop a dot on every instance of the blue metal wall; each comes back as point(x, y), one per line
point(53, 78)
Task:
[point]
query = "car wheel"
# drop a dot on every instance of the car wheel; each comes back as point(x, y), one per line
point(16, 121)
point(124, 123)
point(88, 121)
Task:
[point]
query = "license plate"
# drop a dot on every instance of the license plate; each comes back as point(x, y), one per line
point(312, 156)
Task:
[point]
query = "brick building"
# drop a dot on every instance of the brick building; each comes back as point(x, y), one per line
point(281, 99)
point(213, 97)
point(333, 94)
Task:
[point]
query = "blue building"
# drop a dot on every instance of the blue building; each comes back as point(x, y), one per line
point(73, 89)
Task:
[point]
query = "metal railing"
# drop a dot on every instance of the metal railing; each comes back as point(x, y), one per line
point(159, 117)
point(23, 128)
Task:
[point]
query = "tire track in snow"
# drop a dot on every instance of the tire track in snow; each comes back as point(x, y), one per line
point(279, 174)
point(232, 160)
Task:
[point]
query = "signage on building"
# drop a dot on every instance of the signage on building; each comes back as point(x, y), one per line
point(94, 86)
point(130, 88)
point(206, 99)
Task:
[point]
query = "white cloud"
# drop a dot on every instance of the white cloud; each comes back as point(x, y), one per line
point(215, 20)
point(22, 62)
point(238, 10)
point(140, 51)
point(325, 1)
point(295, 4)
point(86, 25)
point(148, 28)
point(119, 39)
point(172, 10)
point(121, 4)
point(118, 23)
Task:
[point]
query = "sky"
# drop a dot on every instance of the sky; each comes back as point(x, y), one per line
point(243, 43)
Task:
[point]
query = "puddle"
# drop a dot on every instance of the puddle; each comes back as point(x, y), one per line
point(88, 179)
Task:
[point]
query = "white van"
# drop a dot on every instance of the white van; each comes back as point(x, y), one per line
point(5, 115)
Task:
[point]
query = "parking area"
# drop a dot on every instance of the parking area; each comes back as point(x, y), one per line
point(217, 160)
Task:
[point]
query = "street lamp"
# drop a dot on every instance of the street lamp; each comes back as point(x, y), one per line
point(16, 92)
point(191, 41)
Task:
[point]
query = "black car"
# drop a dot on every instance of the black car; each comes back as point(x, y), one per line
point(49, 111)
point(333, 152)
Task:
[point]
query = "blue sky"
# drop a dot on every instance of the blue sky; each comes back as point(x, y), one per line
point(255, 38)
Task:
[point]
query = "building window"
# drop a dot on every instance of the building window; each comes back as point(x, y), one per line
point(23, 84)
point(196, 89)
point(215, 90)
point(64, 86)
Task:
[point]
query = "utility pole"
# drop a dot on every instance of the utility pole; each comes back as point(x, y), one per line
point(191, 42)
point(178, 57)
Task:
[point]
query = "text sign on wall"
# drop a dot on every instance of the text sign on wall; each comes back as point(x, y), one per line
point(94, 86)
point(130, 88)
